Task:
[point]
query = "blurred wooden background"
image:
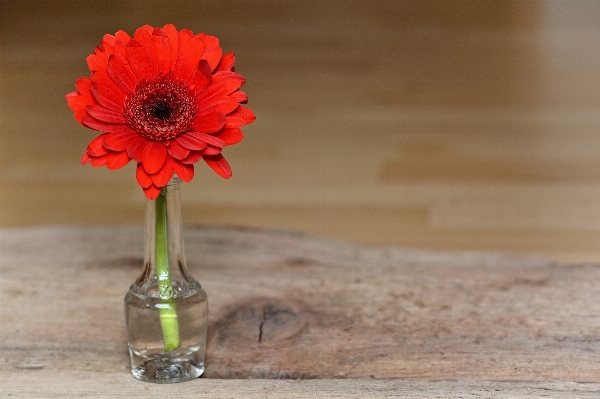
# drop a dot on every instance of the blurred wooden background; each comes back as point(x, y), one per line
point(450, 125)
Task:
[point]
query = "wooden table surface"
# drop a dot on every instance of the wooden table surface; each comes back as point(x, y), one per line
point(448, 125)
point(335, 320)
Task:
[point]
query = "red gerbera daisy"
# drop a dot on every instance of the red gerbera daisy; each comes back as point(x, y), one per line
point(164, 98)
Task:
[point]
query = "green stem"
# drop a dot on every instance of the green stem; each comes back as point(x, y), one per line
point(167, 309)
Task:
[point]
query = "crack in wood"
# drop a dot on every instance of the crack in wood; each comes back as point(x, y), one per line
point(262, 323)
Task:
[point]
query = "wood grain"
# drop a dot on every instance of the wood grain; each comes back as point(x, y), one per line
point(287, 306)
point(117, 386)
point(454, 125)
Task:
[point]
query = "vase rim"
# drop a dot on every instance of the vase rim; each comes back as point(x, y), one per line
point(174, 180)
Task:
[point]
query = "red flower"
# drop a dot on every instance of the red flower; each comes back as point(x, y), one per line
point(164, 98)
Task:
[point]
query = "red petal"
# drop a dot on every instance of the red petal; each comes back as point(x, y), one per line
point(163, 176)
point(94, 62)
point(107, 44)
point(148, 28)
point(106, 92)
point(212, 140)
point(200, 79)
point(194, 157)
point(121, 74)
point(223, 84)
point(184, 172)
point(83, 86)
point(97, 61)
point(100, 126)
point(242, 116)
point(99, 161)
point(204, 67)
point(227, 82)
point(226, 63)
point(153, 157)
point(230, 136)
point(173, 36)
point(177, 151)
point(137, 147)
point(190, 53)
point(137, 56)
point(190, 142)
point(116, 160)
point(239, 96)
point(80, 99)
point(143, 178)
point(163, 50)
point(209, 123)
point(119, 141)
point(105, 114)
point(80, 114)
point(222, 104)
point(122, 37)
point(143, 36)
point(210, 150)
point(219, 165)
point(86, 158)
point(78, 103)
point(96, 147)
point(212, 50)
point(152, 192)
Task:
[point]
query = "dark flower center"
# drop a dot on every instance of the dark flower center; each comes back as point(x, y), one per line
point(160, 109)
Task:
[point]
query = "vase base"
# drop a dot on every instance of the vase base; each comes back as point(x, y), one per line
point(165, 371)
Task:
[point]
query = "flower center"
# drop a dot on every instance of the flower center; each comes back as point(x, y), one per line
point(160, 109)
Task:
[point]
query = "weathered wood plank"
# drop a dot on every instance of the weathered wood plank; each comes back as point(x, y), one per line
point(291, 306)
point(117, 386)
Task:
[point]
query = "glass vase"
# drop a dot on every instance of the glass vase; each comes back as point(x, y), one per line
point(166, 309)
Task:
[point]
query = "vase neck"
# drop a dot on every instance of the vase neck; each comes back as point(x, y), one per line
point(164, 233)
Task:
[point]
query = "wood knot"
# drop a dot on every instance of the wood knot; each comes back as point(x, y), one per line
point(260, 320)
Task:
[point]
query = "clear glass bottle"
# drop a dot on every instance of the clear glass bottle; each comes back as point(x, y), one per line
point(166, 310)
